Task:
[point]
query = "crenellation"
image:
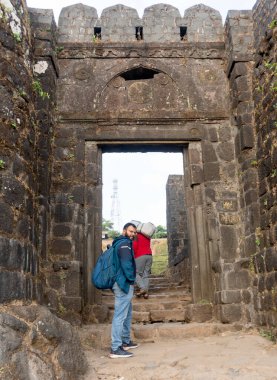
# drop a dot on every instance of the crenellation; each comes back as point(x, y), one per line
point(160, 23)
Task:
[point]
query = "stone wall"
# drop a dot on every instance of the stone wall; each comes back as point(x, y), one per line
point(177, 230)
point(264, 261)
point(19, 225)
point(251, 51)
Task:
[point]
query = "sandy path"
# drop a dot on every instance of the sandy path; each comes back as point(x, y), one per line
point(230, 355)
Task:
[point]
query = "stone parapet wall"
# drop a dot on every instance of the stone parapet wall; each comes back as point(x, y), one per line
point(160, 23)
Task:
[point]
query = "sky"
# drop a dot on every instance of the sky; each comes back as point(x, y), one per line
point(221, 5)
point(141, 177)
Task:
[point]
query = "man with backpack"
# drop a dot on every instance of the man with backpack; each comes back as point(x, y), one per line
point(123, 290)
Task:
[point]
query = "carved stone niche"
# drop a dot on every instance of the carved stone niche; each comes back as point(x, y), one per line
point(140, 89)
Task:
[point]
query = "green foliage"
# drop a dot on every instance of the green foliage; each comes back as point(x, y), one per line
point(2, 164)
point(70, 198)
point(273, 173)
point(59, 49)
point(160, 256)
point(258, 242)
point(268, 335)
point(13, 125)
point(203, 301)
point(113, 234)
point(273, 24)
point(95, 38)
point(17, 37)
point(22, 93)
point(38, 89)
point(254, 163)
point(107, 226)
point(70, 156)
point(160, 232)
point(5, 12)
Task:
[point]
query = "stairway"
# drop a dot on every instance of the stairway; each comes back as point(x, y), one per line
point(168, 301)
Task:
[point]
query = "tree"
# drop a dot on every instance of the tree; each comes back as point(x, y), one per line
point(160, 232)
point(107, 226)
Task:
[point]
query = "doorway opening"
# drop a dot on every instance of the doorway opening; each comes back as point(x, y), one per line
point(148, 187)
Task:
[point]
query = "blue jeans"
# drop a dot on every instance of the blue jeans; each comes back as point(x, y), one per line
point(122, 319)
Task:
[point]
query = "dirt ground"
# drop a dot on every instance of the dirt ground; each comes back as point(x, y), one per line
point(229, 355)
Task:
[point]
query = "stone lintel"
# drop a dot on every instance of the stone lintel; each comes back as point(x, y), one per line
point(209, 50)
point(140, 118)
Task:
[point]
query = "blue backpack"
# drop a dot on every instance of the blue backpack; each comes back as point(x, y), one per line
point(106, 268)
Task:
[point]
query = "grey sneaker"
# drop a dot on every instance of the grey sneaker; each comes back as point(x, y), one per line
point(120, 353)
point(130, 345)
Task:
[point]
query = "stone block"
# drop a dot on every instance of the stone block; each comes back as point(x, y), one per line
point(250, 245)
point(228, 218)
point(229, 242)
point(230, 296)
point(54, 281)
point(226, 151)
point(239, 69)
point(12, 255)
point(167, 315)
point(271, 259)
point(199, 312)
point(211, 171)
point(72, 303)
point(209, 154)
point(140, 316)
point(230, 313)
point(73, 284)
point(63, 213)
point(13, 192)
point(61, 230)
point(246, 137)
point(210, 194)
point(61, 247)
point(237, 279)
point(61, 265)
point(225, 134)
point(11, 286)
point(196, 174)
point(6, 218)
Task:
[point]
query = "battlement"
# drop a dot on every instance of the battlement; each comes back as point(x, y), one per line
point(160, 23)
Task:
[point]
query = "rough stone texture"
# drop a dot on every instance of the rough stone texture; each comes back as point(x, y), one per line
point(251, 44)
point(18, 154)
point(160, 23)
point(37, 344)
point(170, 94)
point(177, 229)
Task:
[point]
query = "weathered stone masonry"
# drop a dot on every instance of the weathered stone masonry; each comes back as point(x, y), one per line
point(163, 81)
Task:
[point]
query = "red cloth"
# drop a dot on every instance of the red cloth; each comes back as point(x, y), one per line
point(141, 246)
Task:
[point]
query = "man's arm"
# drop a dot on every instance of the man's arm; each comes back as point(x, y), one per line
point(126, 260)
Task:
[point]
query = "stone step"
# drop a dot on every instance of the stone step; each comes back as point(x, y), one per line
point(157, 289)
point(147, 306)
point(99, 335)
point(158, 296)
point(188, 313)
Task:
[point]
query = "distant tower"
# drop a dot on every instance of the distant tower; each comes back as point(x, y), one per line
point(115, 211)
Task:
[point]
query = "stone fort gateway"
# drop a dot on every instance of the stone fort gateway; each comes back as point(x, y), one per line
point(165, 82)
